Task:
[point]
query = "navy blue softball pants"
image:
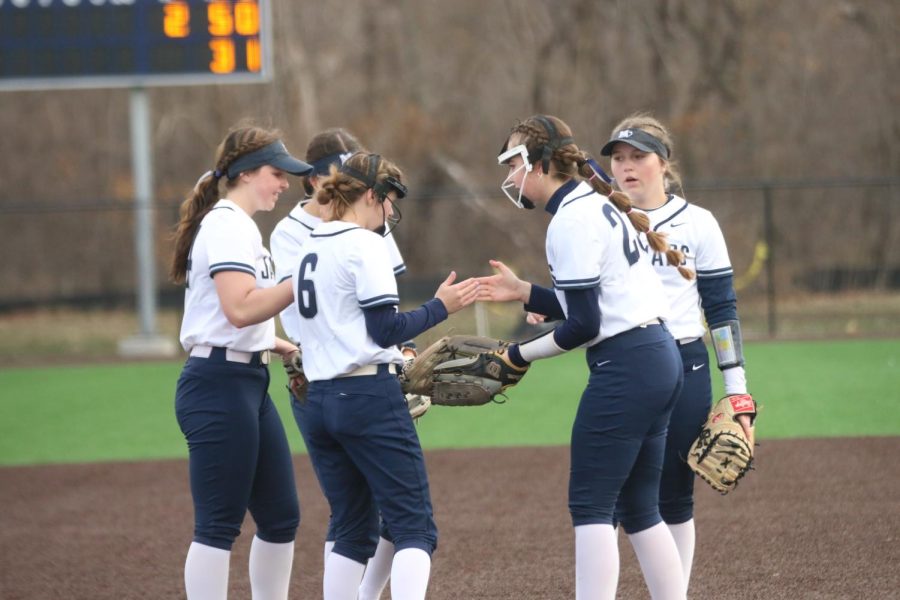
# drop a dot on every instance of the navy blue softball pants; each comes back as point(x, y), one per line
point(239, 455)
point(676, 489)
point(367, 457)
point(619, 434)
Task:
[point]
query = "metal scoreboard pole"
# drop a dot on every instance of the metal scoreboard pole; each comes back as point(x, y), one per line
point(148, 342)
point(142, 165)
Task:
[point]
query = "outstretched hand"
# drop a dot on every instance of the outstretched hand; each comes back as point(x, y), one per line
point(457, 296)
point(503, 286)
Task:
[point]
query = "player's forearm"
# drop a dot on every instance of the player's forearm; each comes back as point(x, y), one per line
point(581, 325)
point(283, 347)
point(543, 301)
point(387, 327)
point(259, 304)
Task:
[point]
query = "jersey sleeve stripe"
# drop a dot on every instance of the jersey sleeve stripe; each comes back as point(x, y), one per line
point(231, 266)
point(723, 272)
point(400, 269)
point(576, 284)
point(379, 300)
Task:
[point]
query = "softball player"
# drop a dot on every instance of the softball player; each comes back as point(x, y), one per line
point(330, 147)
point(609, 300)
point(326, 149)
point(354, 420)
point(239, 455)
point(640, 149)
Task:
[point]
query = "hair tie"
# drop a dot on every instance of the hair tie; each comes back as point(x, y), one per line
point(202, 177)
point(598, 171)
point(217, 174)
point(627, 210)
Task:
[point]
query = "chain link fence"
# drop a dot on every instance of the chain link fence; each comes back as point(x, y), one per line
point(812, 258)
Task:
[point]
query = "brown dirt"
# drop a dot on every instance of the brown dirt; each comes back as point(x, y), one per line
point(819, 519)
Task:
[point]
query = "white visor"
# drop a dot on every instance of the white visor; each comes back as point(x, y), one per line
point(508, 186)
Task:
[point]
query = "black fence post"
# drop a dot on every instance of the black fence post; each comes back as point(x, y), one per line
point(769, 229)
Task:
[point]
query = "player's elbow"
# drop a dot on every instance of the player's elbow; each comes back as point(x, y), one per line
point(586, 328)
point(240, 318)
point(383, 340)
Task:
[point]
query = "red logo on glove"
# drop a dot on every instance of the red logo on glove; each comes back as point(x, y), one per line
point(742, 404)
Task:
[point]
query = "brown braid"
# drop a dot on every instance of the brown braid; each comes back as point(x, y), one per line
point(339, 191)
point(199, 202)
point(569, 161)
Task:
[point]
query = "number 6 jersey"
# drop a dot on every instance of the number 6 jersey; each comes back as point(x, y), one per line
point(343, 269)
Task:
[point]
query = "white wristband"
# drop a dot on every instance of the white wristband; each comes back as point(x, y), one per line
point(542, 347)
point(735, 381)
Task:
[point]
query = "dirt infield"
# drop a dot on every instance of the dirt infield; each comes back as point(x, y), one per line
point(819, 519)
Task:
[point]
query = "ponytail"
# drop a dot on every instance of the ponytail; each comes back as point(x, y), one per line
point(193, 209)
point(238, 142)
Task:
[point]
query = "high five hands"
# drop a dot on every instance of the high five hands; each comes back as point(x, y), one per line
point(457, 296)
point(503, 286)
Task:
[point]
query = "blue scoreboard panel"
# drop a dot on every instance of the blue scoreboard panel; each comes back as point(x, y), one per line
point(47, 44)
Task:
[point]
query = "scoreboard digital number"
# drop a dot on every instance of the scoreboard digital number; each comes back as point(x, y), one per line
point(46, 44)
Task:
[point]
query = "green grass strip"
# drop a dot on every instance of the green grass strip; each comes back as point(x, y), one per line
point(126, 411)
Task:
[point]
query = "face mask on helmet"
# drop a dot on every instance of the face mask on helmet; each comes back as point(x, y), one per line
point(382, 189)
point(508, 186)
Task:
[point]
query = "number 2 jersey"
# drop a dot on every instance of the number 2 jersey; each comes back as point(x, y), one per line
point(343, 269)
point(592, 244)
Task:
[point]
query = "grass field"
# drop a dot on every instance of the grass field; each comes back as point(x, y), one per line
point(125, 411)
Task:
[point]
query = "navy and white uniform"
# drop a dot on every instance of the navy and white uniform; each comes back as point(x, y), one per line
point(613, 303)
point(694, 231)
point(355, 422)
point(239, 454)
point(287, 241)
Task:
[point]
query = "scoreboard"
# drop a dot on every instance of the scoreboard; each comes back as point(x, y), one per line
point(46, 44)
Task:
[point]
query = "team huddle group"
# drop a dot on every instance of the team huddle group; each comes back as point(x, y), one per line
point(637, 273)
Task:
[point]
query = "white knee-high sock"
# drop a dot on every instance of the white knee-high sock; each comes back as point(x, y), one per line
point(342, 577)
point(409, 574)
point(685, 536)
point(659, 562)
point(206, 572)
point(378, 571)
point(596, 562)
point(270, 569)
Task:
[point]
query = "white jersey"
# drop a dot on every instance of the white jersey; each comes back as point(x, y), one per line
point(343, 269)
point(590, 243)
point(286, 242)
point(227, 240)
point(695, 232)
